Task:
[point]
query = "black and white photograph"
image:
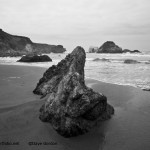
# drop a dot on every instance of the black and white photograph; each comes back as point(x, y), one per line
point(74, 74)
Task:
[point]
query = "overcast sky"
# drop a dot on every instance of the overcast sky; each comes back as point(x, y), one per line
point(79, 22)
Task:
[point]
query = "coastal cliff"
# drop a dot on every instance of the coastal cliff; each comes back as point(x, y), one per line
point(12, 45)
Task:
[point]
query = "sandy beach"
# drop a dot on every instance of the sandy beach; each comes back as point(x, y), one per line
point(21, 129)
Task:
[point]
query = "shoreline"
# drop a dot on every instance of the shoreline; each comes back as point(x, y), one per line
point(86, 77)
point(136, 75)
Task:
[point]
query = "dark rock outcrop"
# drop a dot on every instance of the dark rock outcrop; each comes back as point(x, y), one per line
point(130, 61)
point(126, 51)
point(35, 58)
point(71, 107)
point(146, 89)
point(12, 45)
point(103, 59)
point(130, 51)
point(135, 51)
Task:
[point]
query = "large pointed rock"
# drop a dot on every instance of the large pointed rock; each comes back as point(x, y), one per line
point(71, 107)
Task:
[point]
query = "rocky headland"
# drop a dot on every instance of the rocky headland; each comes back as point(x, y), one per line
point(71, 107)
point(110, 47)
point(12, 45)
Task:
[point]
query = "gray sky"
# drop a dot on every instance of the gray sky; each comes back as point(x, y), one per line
point(79, 22)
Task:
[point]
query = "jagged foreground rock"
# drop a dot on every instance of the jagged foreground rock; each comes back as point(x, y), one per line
point(71, 107)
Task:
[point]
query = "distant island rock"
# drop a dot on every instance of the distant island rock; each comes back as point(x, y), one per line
point(72, 108)
point(35, 58)
point(110, 47)
point(12, 45)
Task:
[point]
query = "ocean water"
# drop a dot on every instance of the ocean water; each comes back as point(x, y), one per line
point(118, 72)
point(112, 71)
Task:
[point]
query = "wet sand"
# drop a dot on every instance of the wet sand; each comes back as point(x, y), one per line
point(128, 129)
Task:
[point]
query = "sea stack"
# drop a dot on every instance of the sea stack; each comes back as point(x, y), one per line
point(71, 107)
point(110, 47)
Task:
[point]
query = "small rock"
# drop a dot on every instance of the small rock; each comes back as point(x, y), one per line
point(130, 61)
point(103, 59)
